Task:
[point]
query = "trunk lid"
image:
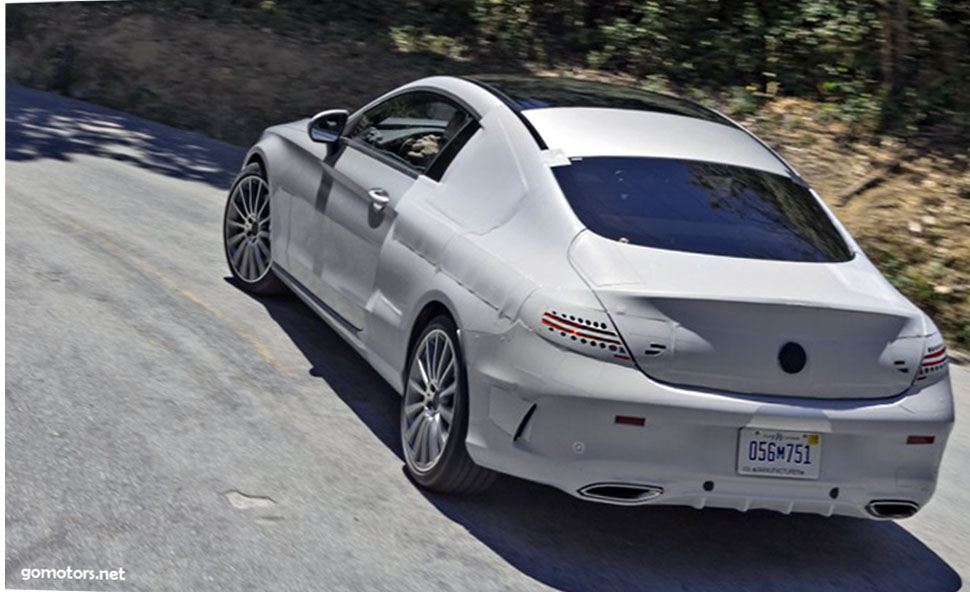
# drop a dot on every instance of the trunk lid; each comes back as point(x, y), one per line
point(821, 330)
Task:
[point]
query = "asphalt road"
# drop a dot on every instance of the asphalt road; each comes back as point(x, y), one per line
point(160, 420)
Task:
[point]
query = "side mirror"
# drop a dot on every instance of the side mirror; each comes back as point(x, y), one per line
point(326, 126)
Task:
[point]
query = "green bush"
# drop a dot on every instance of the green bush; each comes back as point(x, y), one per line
point(822, 49)
point(833, 50)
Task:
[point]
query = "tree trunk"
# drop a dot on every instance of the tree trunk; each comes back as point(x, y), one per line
point(894, 56)
point(886, 45)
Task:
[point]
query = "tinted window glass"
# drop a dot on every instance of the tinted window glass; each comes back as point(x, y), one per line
point(411, 128)
point(529, 92)
point(700, 207)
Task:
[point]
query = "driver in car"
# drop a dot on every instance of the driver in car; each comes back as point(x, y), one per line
point(423, 150)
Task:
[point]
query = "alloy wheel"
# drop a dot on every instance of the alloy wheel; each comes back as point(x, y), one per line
point(247, 231)
point(429, 400)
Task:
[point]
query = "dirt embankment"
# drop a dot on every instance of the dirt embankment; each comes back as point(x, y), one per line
point(909, 208)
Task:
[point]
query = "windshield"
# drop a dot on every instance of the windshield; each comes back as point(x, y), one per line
point(700, 207)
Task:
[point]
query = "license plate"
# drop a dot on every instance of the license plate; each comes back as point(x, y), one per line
point(774, 453)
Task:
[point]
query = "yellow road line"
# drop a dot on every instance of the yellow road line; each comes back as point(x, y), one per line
point(155, 273)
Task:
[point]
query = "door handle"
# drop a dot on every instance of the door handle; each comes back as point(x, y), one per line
point(378, 199)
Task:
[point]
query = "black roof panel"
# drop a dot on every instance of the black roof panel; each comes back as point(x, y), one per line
point(533, 92)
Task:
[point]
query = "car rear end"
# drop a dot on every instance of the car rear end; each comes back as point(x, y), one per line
point(741, 352)
point(604, 431)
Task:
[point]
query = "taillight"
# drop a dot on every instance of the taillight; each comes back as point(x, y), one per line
point(933, 364)
point(587, 332)
point(575, 321)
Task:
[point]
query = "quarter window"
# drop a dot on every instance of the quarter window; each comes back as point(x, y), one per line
point(411, 129)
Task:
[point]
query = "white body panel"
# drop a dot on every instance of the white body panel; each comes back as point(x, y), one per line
point(720, 321)
point(580, 131)
point(496, 244)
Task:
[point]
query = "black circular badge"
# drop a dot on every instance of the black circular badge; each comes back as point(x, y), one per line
point(792, 357)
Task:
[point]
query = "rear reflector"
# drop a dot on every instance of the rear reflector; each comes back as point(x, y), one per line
point(630, 420)
point(920, 439)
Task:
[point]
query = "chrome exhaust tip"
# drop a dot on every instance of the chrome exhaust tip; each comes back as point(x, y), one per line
point(626, 494)
point(892, 509)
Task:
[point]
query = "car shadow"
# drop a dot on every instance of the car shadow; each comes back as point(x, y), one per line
point(573, 545)
point(42, 125)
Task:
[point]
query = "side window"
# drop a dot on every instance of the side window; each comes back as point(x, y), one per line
point(412, 128)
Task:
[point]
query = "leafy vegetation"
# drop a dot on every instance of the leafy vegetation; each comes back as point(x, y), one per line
point(847, 90)
point(900, 65)
point(894, 65)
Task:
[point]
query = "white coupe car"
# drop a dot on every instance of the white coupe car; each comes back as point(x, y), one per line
point(621, 294)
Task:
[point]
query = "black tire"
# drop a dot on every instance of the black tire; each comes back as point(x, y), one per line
point(454, 472)
point(266, 283)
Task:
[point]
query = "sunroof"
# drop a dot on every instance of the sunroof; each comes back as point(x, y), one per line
point(530, 92)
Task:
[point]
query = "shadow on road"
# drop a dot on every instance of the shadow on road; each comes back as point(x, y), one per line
point(573, 545)
point(42, 125)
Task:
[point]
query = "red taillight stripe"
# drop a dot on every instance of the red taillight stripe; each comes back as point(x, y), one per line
point(927, 357)
point(577, 333)
point(936, 363)
point(578, 325)
point(920, 439)
point(621, 357)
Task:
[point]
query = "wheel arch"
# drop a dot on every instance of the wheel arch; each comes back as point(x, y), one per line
point(256, 156)
point(434, 306)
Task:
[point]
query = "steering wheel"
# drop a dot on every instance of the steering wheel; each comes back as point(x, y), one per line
point(407, 143)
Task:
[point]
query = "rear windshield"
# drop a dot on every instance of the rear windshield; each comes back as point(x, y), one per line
point(700, 207)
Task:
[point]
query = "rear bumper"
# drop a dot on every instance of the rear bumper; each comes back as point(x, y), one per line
point(558, 427)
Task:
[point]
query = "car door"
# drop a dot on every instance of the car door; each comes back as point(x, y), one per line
point(379, 159)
